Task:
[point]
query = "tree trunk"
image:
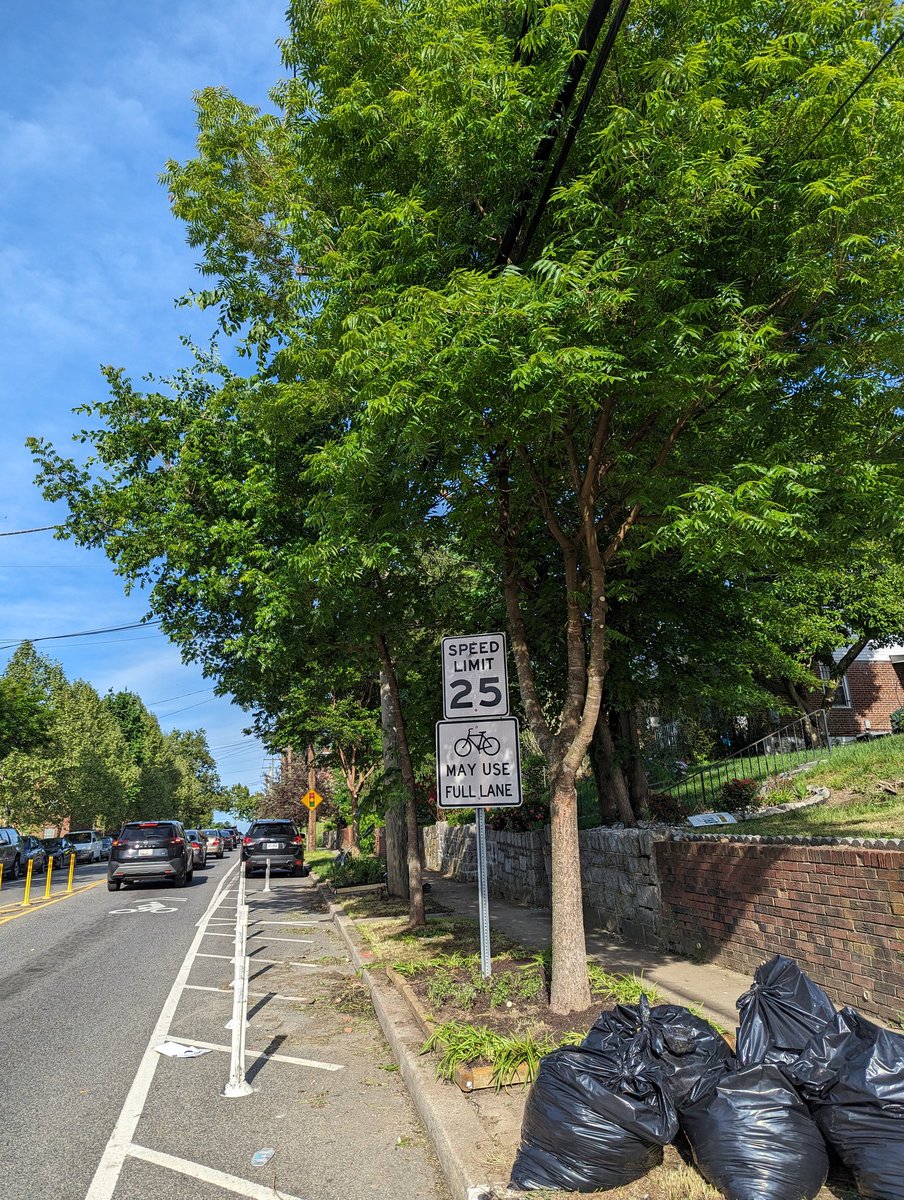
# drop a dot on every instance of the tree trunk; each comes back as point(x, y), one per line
point(355, 846)
point(417, 916)
point(312, 787)
point(570, 988)
point(612, 790)
point(638, 785)
point(396, 832)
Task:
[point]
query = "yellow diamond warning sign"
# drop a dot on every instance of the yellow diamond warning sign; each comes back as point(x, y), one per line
point(311, 799)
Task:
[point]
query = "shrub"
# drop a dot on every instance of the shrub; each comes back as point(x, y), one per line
point(669, 809)
point(897, 721)
point(356, 871)
point(740, 793)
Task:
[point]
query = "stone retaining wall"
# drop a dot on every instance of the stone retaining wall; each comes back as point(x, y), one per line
point(738, 900)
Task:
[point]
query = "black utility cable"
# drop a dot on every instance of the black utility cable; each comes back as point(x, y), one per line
point(850, 96)
point(596, 18)
point(615, 24)
point(39, 529)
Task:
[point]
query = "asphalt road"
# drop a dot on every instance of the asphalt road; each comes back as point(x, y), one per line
point(81, 987)
point(89, 1110)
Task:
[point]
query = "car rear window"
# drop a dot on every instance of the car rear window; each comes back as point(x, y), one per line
point(273, 829)
point(144, 830)
point(79, 837)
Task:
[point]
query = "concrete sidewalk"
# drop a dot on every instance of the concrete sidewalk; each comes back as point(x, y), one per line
point(679, 980)
point(476, 1136)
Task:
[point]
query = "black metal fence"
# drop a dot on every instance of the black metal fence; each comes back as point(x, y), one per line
point(779, 751)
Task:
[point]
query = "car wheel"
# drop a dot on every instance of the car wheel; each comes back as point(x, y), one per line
point(220, 855)
point(113, 885)
point(17, 867)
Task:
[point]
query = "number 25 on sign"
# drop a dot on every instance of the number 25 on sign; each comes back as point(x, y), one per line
point(311, 799)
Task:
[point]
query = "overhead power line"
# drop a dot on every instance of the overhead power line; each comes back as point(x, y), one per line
point(850, 96)
point(56, 637)
point(184, 696)
point(37, 529)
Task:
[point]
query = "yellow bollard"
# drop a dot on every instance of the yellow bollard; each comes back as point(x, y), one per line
point(71, 871)
point(1, 877)
point(26, 899)
point(49, 874)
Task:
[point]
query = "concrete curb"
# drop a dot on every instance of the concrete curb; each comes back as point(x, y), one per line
point(452, 1126)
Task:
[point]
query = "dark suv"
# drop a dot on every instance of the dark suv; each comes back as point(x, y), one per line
point(12, 853)
point(150, 850)
point(278, 840)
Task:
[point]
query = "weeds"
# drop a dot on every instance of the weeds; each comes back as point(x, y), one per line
point(459, 1044)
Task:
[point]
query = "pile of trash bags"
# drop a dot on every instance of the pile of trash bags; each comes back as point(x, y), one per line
point(805, 1081)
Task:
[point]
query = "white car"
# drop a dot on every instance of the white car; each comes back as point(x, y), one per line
point(88, 845)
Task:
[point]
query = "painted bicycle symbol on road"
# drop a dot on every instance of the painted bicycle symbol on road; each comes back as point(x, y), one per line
point(149, 906)
point(479, 740)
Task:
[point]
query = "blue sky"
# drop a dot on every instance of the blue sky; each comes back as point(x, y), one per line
point(95, 96)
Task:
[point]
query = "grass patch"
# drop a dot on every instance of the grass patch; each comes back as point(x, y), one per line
point(861, 805)
point(319, 861)
point(461, 1044)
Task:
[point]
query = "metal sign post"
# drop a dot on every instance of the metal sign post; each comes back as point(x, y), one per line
point(483, 899)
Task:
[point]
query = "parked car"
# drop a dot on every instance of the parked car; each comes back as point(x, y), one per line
point(228, 836)
point(148, 850)
point(214, 842)
point(33, 848)
point(58, 849)
point(198, 847)
point(106, 845)
point(11, 853)
point(87, 844)
point(277, 840)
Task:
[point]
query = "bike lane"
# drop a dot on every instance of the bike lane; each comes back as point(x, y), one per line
point(81, 986)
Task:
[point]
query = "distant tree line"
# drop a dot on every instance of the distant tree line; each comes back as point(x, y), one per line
point(67, 752)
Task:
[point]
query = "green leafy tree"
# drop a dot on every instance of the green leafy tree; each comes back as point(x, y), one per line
point(698, 356)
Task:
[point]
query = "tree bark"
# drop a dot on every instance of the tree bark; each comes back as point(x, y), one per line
point(570, 988)
point(396, 830)
point(638, 785)
point(417, 916)
point(612, 790)
point(312, 787)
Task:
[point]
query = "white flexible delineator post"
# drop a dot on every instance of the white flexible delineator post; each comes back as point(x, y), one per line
point(237, 1084)
point(267, 887)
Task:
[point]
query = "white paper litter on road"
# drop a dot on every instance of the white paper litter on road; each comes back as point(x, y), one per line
point(177, 1050)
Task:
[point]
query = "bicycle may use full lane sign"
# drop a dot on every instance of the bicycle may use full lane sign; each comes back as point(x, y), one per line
point(478, 763)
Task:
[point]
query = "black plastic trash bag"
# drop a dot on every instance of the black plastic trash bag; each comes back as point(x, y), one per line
point(780, 1013)
point(592, 1121)
point(754, 1139)
point(693, 1056)
point(852, 1076)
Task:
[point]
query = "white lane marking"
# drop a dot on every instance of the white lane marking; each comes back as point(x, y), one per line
point(229, 1183)
point(197, 987)
point(257, 1054)
point(106, 1177)
point(269, 936)
point(275, 938)
point(150, 906)
point(271, 962)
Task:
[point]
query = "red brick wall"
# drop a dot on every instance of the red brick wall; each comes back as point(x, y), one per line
point(839, 910)
point(876, 689)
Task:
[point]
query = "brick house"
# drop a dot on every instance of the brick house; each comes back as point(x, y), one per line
point(871, 690)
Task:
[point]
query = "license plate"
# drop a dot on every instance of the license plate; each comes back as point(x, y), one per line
point(271, 845)
point(145, 853)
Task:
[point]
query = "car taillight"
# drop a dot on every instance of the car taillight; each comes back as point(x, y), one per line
point(116, 841)
point(247, 841)
point(298, 841)
point(174, 842)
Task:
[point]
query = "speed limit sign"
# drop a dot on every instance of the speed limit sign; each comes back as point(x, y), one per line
point(475, 676)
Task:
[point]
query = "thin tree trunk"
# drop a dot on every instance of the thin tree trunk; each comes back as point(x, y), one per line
point(396, 832)
point(638, 785)
point(612, 790)
point(570, 989)
point(416, 913)
point(312, 787)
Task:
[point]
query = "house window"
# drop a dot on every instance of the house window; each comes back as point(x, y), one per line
point(843, 694)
